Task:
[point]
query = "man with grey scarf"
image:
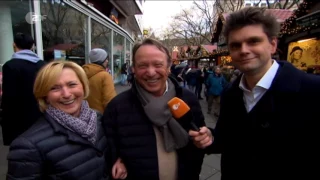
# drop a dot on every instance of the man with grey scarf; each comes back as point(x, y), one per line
point(140, 127)
point(19, 106)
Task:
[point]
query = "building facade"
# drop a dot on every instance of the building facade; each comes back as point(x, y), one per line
point(250, 3)
point(273, 4)
point(68, 30)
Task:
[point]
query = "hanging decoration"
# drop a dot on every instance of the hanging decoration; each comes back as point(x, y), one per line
point(290, 26)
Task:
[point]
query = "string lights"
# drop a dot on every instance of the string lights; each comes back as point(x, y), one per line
point(203, 55)
point(290, 26)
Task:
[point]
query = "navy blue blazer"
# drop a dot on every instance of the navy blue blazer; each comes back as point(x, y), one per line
point(278, 138)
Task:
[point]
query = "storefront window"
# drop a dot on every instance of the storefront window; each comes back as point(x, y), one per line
point(101, 38)
point(128, 52)
point(63, 32)
point(13, 20)
point(118, 55)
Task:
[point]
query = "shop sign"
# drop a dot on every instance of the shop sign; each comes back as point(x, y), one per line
point(59, 54)
point(32, 17)
point(145, 32)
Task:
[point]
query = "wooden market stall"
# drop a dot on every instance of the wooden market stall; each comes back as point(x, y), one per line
point(300, 37)
point(194, 55)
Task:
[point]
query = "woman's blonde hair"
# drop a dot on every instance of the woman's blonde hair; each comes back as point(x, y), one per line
point(48, 75)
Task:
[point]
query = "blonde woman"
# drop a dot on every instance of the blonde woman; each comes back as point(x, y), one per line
point(67, 142)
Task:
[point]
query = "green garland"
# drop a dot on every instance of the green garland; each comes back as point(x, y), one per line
point(291, 27)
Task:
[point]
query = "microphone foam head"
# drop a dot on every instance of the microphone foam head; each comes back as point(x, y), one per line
point(178, 107)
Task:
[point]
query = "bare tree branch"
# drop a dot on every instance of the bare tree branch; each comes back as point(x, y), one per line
point(194, 25)
point(269, 5)
point(294, 2)
point(285, 4)
point(257, 4)
point(228, 5)
point(281, 4)
point(277, 4)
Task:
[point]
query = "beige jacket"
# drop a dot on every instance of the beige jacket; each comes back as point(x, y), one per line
point(101, 86)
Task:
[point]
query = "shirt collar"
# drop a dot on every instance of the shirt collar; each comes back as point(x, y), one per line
point(266, 81)
point(167, 88)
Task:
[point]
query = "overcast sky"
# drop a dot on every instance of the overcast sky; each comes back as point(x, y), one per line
point(157, 14)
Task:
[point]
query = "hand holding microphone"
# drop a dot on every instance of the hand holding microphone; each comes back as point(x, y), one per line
point(202, 137)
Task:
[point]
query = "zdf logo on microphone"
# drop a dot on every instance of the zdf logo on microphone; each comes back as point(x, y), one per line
point(176, 106)
point(32, 17)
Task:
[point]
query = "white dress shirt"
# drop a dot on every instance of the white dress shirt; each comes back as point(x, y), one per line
point(251, 98)
point(167, 88)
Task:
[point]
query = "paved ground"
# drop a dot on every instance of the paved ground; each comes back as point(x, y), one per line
point(210, 167)
point(3, 161)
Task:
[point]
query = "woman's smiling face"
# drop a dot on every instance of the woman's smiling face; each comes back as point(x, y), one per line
point(67, 93)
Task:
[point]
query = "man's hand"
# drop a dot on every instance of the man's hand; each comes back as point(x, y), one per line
point(119, 170)
point(203, 138)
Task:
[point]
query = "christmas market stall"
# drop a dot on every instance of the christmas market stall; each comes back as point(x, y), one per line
point(222, 53)
point(207, 55)
point(189, 54)
point(194, 55)
point(300, 37)
point(174, 55)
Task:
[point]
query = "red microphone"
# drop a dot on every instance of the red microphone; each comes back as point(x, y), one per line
point(179, 108)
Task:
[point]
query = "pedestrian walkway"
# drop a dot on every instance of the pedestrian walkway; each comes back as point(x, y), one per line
point(210, 167)
point(211, 163)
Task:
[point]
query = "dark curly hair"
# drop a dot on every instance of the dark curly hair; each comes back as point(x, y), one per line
point(252, 16)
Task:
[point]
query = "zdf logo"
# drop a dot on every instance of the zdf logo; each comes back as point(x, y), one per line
point(176, 106)
point(32, 17)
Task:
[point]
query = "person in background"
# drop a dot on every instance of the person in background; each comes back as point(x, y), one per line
point(101, 85)
point(178, 72)
point(175, 70)
point(67, 142)
point(215, 83)
point(130, 77)
point(181, 75)
point(236, 73)
point(208, 70)
point(124, 74)
point(268, 121)
point(139, 124)
point(200, 81)
point(18, 77)
point(191, 79)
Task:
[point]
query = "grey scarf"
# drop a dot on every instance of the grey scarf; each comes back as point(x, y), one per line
point(159, 114)
point(85, 125)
